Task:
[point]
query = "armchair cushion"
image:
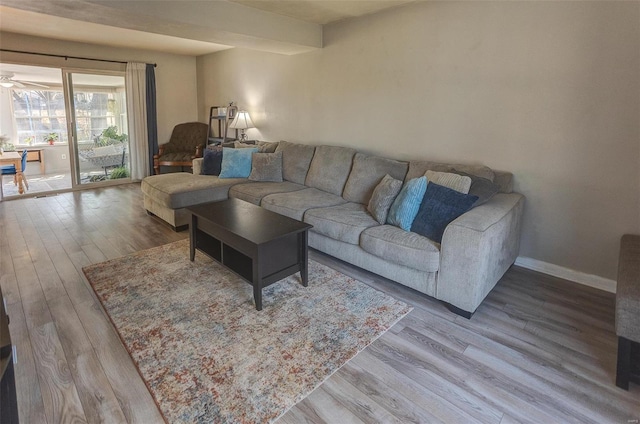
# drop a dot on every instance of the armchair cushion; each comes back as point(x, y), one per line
point(186, 138)
point(177, 156)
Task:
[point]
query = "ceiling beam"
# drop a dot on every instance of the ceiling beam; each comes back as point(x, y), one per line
point(217, 22)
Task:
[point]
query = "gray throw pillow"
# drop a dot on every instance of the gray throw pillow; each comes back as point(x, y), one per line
point(383, 196)
point(266, 167)
point(483, 188)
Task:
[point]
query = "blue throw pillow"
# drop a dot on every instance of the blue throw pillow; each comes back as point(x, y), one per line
point(236, 163)
point(404, 209)
point(439, 207)
point(212, 162)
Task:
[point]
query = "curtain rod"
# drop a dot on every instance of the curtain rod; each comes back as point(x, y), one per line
point(65, 57)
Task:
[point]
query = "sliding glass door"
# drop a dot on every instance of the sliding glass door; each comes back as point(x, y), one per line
point(99, 144)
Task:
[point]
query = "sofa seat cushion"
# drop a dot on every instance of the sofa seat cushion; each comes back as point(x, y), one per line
point(343, 222)
point(401, 247)
point(295, 204)
point(253, 192)
point(181, 189)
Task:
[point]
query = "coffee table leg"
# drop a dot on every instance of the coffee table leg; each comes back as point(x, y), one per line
point(304, 258)
point(257, 296)
point(257, 285)
point(192, 237)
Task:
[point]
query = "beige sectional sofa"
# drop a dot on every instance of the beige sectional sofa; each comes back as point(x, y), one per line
point(329, 187)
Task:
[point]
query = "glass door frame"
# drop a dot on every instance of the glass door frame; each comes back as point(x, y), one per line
point(74, 159)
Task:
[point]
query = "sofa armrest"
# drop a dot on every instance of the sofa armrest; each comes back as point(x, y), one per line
point(197, 166)
point(477, 249)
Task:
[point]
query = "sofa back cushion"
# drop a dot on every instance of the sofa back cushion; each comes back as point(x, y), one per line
point(367, 172)
point(296, 159)
point(417, 168)
point(330, 168)
point(504, 180)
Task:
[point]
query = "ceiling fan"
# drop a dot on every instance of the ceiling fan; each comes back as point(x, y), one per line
point(7, 81)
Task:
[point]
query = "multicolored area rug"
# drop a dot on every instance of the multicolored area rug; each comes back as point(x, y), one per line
point(208, 356)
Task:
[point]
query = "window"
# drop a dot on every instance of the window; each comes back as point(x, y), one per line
point(97, 111)
point(37, 114)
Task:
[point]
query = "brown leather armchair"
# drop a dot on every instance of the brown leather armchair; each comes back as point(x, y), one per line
point(186, 143)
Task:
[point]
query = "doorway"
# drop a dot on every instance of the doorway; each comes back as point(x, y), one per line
point(98, 127)
point(73, 124)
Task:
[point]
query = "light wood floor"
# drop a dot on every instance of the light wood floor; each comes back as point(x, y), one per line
point(538, 350)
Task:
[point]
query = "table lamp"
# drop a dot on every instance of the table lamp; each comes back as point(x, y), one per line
point(241, 122)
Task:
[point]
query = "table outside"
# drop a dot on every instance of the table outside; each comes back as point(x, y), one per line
point(15, 159)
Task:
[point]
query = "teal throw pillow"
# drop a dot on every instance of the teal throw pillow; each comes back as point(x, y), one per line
point(236, 163)
point(405, 208)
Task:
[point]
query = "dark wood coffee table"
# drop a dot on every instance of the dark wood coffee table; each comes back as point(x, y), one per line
point(259, 245)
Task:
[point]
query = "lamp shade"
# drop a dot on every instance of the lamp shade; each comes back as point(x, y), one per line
point(242, 121)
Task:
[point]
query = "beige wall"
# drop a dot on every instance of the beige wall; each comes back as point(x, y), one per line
point(547, 90)
point(175, 74)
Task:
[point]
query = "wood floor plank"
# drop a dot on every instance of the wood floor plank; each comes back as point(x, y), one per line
point(500, 391)
point(326, 409)
point(135, 400)
point(527, 343)
point(98, 399)
point(71, 332)
point(575, 394)
point(36, 313)
point(30, 403)
point(8, 281)
point(27, 277)
point(61, 401)
point(70, 276)
point(446, 386)
point(108, 249)
point(93, 254)
point(424, 404)
point(45, 270)
point(361, 405)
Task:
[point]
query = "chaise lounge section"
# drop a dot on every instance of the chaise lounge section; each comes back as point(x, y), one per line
point(329, 187)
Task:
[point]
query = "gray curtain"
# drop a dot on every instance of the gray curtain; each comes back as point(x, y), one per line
point(152, 118)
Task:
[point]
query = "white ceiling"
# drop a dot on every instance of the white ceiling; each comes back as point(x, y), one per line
point(190, 27)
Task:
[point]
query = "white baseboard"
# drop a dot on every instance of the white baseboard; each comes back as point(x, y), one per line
point(567, 274)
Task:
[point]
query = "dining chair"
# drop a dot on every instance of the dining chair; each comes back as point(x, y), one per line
point(11, 170)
